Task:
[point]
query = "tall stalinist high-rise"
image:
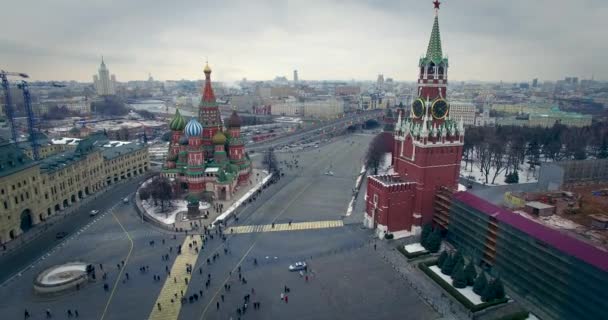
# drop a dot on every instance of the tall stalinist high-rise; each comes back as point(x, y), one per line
point(104, 84)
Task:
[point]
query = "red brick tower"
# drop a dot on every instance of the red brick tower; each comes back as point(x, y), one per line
point(209, 115)
point(426, 153)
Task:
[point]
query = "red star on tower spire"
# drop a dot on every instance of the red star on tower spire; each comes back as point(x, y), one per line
point(436, 3)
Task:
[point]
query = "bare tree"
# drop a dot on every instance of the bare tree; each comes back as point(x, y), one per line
point(497, 161)
point(484, 159)
point(378, 147)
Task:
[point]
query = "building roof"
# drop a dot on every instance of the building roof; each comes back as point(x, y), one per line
point(114, 152)
point(178, 123)
point(555, 238)
point(538, 205)
point(12, 159)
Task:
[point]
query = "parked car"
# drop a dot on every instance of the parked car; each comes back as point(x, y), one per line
point(300, 265)
point(93, 213)
point(125, 200)
point(61, 235)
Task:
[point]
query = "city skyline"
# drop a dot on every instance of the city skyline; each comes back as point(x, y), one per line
point(514, 41)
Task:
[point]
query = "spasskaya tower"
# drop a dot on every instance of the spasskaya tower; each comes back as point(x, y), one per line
point(426, 155)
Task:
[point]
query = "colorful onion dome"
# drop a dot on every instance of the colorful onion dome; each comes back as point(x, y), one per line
point(177, 123)
point(219, 138)
point(193, 128)
point(183, 140)
point(234, 121)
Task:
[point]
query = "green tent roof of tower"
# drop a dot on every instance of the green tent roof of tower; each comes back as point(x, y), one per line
point(178, 123)
point(433, 51)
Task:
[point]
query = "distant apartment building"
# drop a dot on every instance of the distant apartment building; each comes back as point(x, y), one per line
point(347, 90)
point(311, 109)
point(283, 91)
point(79, 105)
point(483, 119)
point(546, 118)
point(563, 276)
point(104, 83)
point(463, 110)
point(376, 101)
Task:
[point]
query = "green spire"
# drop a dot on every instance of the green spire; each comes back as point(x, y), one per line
point(178, 123)
point(433, 52)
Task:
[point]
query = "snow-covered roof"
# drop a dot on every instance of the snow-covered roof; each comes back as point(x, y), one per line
point(66, 140)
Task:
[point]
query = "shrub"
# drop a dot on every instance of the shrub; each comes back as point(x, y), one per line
point(448, 265)
point(499, 289)
point(489, 292)
point(459, 279)
point(424, 235)
point(470, 273)
point(480, 284)
point(434, 241)
point(442, 258)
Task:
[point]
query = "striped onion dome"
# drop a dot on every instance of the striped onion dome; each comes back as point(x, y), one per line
point(193, 128)
point(177, 123)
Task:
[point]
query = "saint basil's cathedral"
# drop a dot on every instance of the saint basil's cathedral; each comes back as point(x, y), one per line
point(427, 150)
point(203, 156)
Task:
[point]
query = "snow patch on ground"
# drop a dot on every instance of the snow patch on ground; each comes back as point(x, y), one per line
point(531, 317)
point(467, 292)
point(461, 187)
point(385, 164)
point(246, 196)
point(525, 175)
point(171, 210)
point(414, 247)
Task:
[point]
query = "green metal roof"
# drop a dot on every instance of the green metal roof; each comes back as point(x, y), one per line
point(13, 160)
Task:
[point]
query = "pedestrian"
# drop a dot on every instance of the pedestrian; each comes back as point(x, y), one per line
point(222, 298)
point(282, 296)
point(286, 299)
point(101, 267)
point(174, 279)
point(48, 314)
point(217, 305)
point(374, 246)
point(127, 275)
point(306, 277)
point(186, 280)
point(76, 313)
point(69, 313)
point(26, 314)
point(158, 305)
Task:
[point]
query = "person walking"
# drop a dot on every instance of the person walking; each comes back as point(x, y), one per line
point(48, 313)
point(217, 305)
point(286, 299)
point(158, 306)
point(26, 314)
point(76, 313)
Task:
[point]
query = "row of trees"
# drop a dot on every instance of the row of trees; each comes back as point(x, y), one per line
point(58, 113)
point(158, 190)
point(506, 149)
point(464, 274)
point(110, 106)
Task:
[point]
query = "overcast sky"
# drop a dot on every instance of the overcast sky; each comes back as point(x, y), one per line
point(488, 40)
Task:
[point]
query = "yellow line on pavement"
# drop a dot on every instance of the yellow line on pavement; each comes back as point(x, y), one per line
point(105, 309)
point(175, 284)
point(286, 227)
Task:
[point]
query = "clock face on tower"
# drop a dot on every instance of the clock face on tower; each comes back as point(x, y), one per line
point(418, 108)
point(439, 109)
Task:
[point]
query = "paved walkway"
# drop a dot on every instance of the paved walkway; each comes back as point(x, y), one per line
point(287, 227)
point(171, 293)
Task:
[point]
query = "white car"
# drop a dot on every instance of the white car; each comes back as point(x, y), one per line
point(125, 200)
point(300, 265)
point(329, 173)
point(93, 213)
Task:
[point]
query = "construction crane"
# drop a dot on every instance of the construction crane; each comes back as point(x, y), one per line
point(32, 125)
point(8, 108)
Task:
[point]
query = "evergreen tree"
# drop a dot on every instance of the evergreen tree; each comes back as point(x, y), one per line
point(499, 289)
point(470, 273)
point(424, 235)
point(448, 265)
point(480, 284)
point(458, 257)
point(442, 257)
point(434, 241)
point(459, 279)
point(489, 293)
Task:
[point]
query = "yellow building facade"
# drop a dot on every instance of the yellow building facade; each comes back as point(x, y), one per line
point(31, 191)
